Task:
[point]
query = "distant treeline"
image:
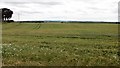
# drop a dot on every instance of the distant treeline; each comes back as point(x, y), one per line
point(65, 22)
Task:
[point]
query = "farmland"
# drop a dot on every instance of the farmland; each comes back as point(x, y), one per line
point(60, 44)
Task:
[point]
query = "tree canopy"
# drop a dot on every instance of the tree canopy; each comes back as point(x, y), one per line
point(6, 14)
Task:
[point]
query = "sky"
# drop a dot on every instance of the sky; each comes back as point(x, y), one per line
point(66, 10)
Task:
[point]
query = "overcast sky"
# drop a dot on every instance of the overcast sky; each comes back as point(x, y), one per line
point(80, 10)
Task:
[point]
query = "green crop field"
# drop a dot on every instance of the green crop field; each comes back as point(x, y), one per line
point(60, 44)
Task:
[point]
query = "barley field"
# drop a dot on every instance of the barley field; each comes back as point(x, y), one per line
point(60, 44)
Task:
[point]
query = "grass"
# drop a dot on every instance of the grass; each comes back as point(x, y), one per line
point(60, 44)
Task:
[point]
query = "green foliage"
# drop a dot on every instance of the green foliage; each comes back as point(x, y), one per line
point(60, 44)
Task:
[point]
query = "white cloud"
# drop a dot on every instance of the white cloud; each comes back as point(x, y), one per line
point(93, 10)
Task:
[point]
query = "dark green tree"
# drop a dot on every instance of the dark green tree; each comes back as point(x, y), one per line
point(6, 14)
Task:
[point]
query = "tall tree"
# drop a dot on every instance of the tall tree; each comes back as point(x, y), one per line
point(6, 14)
